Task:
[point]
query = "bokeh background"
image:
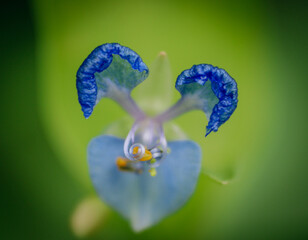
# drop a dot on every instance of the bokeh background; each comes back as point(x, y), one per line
point(262, 148)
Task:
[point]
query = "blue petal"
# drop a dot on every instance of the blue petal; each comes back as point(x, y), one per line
point(143, 199)
point(218, 96)
point(109, 66)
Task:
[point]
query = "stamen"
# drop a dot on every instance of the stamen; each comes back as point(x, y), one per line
point(127, 165)
point(136, 150)
point(139, 152)
point(147, 156)
point(146, 141)
point(156, 153)
point(152, 172)
point(121, 162)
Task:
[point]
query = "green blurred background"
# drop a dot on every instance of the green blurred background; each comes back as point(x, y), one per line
point(262, 44)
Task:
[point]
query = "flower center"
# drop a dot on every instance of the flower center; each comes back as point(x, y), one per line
point(138, 152)
point(146, 142)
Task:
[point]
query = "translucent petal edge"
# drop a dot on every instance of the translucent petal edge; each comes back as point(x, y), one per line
point(223, 86)
point(99, 60)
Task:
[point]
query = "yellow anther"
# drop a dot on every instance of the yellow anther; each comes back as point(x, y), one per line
point(152, 172)
point(121, 162)
point(147, 156)
point(127, 165)
point(135, 150)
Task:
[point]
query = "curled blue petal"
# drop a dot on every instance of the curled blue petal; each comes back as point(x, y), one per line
point(143, 199)
point(218, 97)
point(108, 70)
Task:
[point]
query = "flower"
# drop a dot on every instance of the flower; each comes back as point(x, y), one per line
point(145, 177)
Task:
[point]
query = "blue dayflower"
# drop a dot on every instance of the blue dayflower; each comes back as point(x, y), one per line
point(145, 177)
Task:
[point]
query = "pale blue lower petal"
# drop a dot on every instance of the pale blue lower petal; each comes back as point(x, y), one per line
point(142, 199)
